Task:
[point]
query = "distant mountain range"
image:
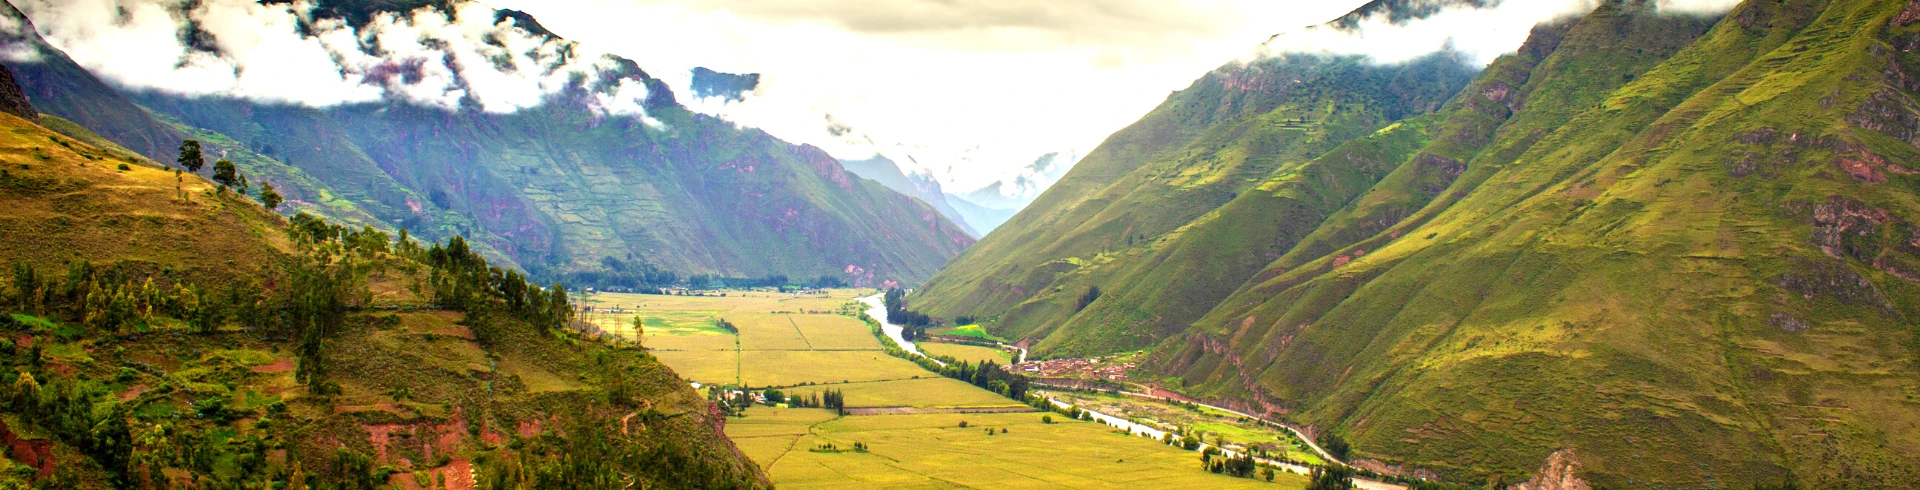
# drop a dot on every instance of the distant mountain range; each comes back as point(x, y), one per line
point(1656, 250)
point(557, 188)
point(981, 210)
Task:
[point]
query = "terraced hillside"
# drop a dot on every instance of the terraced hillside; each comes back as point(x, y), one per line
point(1667, 250)
point(157, 331)
point(556, 188)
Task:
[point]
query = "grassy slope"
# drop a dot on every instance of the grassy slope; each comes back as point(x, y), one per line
point(1119, 214)
point(558, 187)
point(699, 196)
point(1679, 277)
point(69, 201)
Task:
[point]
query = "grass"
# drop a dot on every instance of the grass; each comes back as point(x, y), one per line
point(975, 331)
point(969, 353)
point(916, 451)
point(1618, 264)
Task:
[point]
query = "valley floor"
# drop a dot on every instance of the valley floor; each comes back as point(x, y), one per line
point(804, 345)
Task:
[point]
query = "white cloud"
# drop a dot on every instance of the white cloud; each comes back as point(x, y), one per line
point(258, 52)
point(1483, 33)
point(971, 91)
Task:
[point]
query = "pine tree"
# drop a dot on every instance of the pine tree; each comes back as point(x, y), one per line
point(190, 157)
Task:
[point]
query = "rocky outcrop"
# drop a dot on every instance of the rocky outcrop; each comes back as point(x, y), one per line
point(13, 100)
point(1559, 472)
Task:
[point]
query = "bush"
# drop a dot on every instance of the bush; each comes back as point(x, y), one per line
point(123, 167)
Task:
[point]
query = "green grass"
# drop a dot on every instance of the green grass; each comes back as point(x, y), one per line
point(968, 353)
point(1614, 256)
point(975, 331)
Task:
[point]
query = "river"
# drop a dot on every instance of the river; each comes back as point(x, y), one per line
point(877, 309)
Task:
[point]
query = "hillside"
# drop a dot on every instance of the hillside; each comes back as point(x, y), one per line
point(1114, 220)
point(1669, 251)
point(557, 188)
point(161, 332)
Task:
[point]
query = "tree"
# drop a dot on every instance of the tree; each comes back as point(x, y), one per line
point(269, 197)
point(1267, 473)
point(1331, 478)
point(1334, 445)
point(225, 173)
point(1093, 293)
point(190, 157)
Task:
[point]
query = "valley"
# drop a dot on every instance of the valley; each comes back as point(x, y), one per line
point(918, 429)
point(1413, 245)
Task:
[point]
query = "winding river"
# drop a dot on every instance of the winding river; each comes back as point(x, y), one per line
point(877, 309)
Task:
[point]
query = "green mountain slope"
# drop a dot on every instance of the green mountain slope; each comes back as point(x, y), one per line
point(189, 340)
point(1118, 220)
point(1675, 250)
point(561, 187)
point(1685, 272)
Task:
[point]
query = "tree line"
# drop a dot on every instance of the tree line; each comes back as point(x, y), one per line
point(913, 324)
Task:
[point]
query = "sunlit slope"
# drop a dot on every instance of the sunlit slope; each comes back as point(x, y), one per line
point(1236, 129)
point(67, 200)
point(460, 406)
point(1702, 273)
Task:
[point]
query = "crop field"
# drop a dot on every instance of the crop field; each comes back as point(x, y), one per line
point(969, 353)
point(804, 347)
point(1202, 421)
point(928, 391)
point(783, 339)
point(933, 451)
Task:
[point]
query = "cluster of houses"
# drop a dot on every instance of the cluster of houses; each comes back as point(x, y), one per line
point(1100, 368)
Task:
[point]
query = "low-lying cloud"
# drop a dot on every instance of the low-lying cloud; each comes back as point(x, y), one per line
point(1482, 30)
point(285, 54)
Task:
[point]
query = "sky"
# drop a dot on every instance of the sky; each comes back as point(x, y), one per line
point(972, 92)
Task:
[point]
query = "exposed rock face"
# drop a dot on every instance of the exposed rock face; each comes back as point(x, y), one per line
point(13, 100)
point(1560, 472)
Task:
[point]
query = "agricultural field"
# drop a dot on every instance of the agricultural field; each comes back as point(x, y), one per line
point(1205, 422)
point(782, 340)
point(934, 451)
point(930, 391)
point(974, 331)
point(803, 346)
point(969, 353)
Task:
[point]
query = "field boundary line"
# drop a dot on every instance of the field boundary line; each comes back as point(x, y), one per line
point(796, 331)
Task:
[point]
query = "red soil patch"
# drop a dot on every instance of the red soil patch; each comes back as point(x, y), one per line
point(380, 436)
point(133, 392)
point(277, 366)
point(37, 453)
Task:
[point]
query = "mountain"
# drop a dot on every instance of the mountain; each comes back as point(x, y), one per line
point(989, 218)
point(1654, 250)
point(920, 186)
point(1110, 220)
point(189, 340)
point(568, 185)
